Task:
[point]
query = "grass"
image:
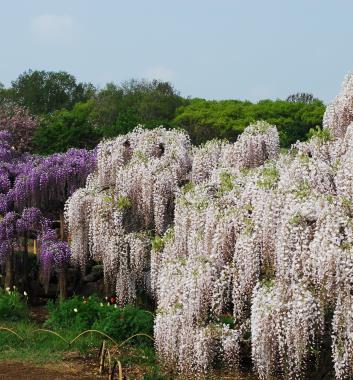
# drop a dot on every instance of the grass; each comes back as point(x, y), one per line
point(42, 348)
point(39, 347)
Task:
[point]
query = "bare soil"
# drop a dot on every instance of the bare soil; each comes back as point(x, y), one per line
point(72, 368)
point(62, 371)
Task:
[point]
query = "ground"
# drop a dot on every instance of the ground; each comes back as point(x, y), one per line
point(44, 356)
point(68, 370)
point(58, 371)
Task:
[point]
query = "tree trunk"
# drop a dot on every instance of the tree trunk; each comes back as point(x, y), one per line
point(9, 272)
point(25, 262)
point(62, 285)
point(62, 273)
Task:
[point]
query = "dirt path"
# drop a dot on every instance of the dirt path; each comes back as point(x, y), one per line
point(61, 371)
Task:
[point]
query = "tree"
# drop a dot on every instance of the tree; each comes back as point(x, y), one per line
point(301, 97)
point(118, 109)
point(106, 106)
point(132, 191)
point(5, 94)
point(44, 92)
point(20, 124)
point(67, 129)
point(154, 101)
point(226, 119)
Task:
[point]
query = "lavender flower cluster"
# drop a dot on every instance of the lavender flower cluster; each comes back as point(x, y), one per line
point(14, 226)
point(33, 188)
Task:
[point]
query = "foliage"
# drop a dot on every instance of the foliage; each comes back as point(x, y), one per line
point(322, 134)
point(75, 313)
point(118, 109)
point(79, 314)
point(122, 323)
point(113, 111)
point(226, 119)
point(44, 92)
point(66, 129)
point(12, 305)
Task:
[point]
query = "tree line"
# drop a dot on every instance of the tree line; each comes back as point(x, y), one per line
point(70, 113)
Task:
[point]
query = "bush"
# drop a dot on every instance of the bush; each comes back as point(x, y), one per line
point(81, 314)
point(122, 323)
point(76, 313)
point(12, 307)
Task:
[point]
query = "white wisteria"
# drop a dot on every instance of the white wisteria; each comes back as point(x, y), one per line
point(242, 248)
point(339, 114)
point(130, 197)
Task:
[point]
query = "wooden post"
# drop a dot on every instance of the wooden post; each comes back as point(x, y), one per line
point(120, 371)
point(101, 358)
point(112, 371)
point(109, 363)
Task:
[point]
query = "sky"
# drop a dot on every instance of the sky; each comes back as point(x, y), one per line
point(213, 49)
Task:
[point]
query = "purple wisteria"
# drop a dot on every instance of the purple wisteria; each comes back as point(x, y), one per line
point(49, 181)
point(33, 189)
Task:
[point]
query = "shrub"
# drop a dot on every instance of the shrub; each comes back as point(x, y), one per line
point(122, 323)
point(81, 314)
point(76, 313)
point(12, 307)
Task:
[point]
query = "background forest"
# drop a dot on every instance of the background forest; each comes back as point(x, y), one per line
point(67, 113)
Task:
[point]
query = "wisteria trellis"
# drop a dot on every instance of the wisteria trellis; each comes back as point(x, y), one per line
point(230, 229)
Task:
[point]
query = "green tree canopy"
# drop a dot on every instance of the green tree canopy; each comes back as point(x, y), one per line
point(204, 119)
point(112, 111)
point(44, 92)
point(66, 129)
point(119, 108)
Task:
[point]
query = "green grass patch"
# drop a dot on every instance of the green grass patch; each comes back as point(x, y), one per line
point(25, 340)
point(39, 347)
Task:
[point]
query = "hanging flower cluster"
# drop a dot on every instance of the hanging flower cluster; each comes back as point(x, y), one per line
point(232, 240)
point(129, 199)
point(32, 189)
point(47, 182)
point(286, 323)
point(339, 114)
point(54, 254)
point(205, 159)
point(259, 142)
point(270, 245)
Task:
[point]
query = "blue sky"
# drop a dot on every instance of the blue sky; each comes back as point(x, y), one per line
point(249, 49)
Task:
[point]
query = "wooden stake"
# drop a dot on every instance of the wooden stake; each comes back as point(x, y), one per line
point(102, 355)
